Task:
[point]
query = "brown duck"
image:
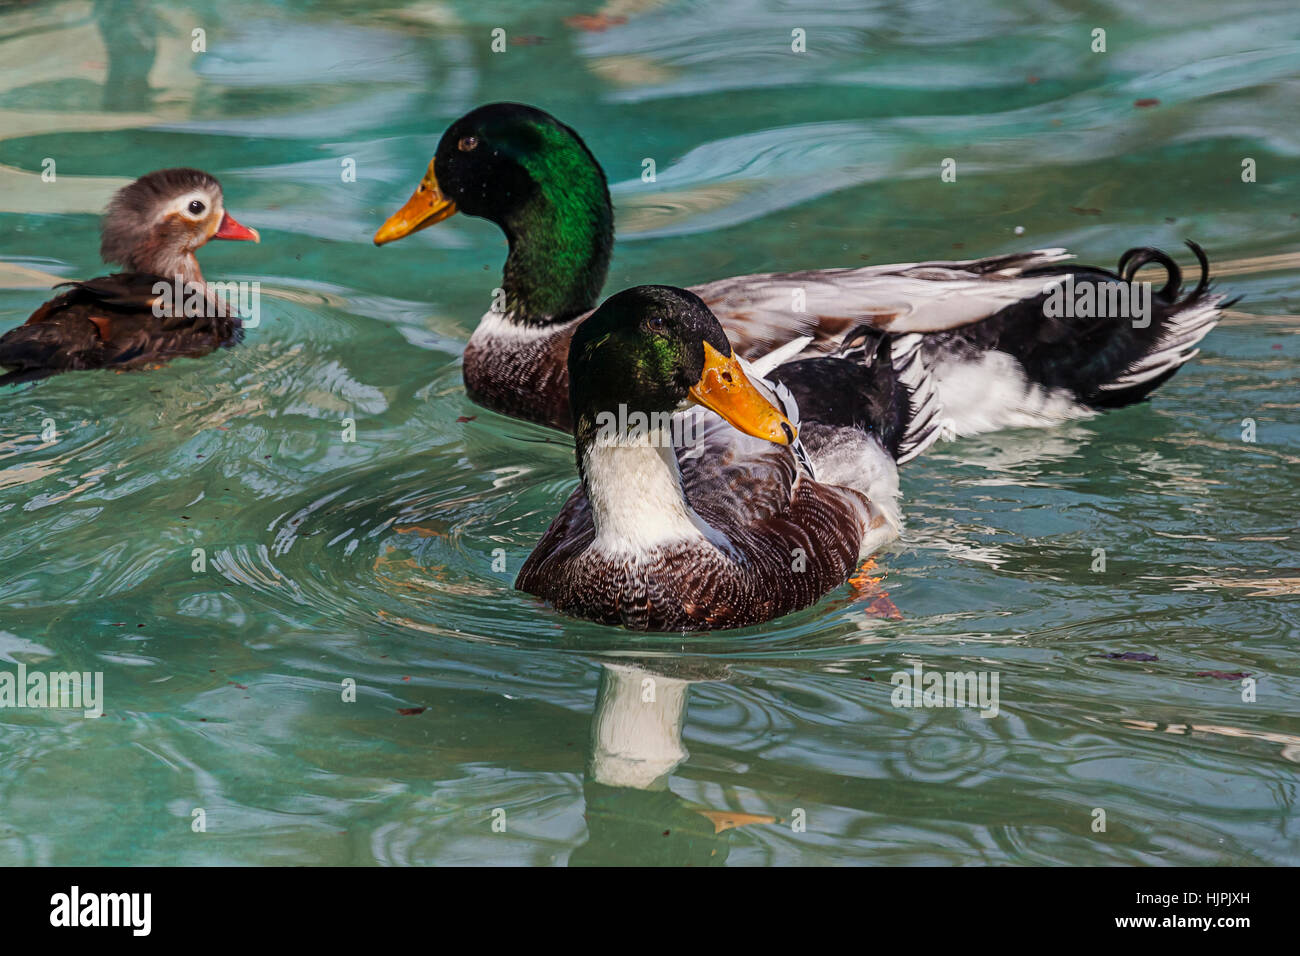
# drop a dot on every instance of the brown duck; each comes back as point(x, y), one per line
point(158, 307)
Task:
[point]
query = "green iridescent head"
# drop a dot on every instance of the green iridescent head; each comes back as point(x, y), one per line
point(524, 170)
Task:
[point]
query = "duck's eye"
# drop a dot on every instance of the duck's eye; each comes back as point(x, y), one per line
point(656, 323)
point(196, 207)
point(467, 143)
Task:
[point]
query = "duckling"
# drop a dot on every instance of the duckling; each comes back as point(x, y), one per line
point(158, 307)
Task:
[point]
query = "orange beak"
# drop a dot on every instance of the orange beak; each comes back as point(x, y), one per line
point(724, 388)
point(232, 229)
point(426, 206)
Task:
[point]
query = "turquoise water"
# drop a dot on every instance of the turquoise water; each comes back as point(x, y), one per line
point(372, 561)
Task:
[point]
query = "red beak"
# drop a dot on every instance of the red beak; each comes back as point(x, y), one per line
point(230, 228)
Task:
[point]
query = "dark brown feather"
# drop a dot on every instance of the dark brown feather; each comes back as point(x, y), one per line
point(775, 520)
point(526, 379)
point(103, 322)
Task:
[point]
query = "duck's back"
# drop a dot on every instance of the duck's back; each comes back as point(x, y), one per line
point(109, 321)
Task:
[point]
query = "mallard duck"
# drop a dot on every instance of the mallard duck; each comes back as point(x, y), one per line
point(152, 228)
point(998, 358)
point(693, 521)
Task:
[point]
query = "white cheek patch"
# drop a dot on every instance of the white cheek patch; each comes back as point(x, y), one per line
point(180, 207)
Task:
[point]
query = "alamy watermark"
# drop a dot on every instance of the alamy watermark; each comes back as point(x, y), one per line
point(69, 690)
point(209, 299)
point(128, 910)
point(1099, 300)
point(922, 688)
point(655, 429)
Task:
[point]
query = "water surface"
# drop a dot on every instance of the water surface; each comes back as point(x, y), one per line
point(372, 561)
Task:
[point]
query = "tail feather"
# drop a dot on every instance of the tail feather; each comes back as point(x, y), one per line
point(34, 351)
point(1184, 324)
point(925, 426)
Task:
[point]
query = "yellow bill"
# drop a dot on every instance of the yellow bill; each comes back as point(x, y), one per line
point(426, 206)
point(724, 388)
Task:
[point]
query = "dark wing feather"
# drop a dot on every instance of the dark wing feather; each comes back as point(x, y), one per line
point(124, 291)
point(106, 321)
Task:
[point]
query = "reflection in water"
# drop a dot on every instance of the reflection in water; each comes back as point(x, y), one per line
point(129, 31)
point(646, 828)
point(633, 818)
point(636, 730)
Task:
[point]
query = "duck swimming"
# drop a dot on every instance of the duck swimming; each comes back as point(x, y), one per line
point(152, 228)
point(686, 522)
point(999, 354)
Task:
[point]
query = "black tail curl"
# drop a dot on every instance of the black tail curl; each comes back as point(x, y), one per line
point(1134, 259)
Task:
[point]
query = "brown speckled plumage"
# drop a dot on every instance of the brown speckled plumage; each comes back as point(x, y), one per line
point(769, 515)
point(524, 379)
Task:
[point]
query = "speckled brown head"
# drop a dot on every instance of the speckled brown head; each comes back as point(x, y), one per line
point(155, 224)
